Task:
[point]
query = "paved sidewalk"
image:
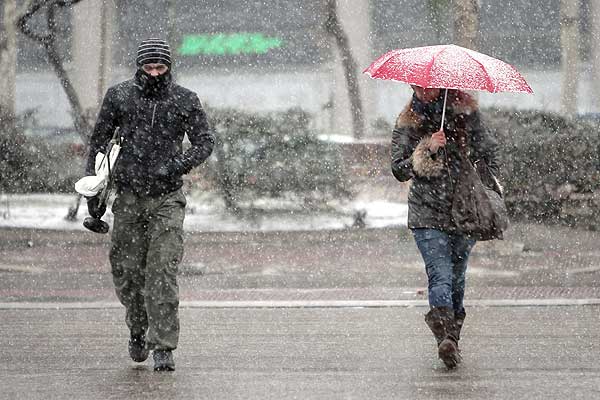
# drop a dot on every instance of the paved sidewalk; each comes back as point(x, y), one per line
point(317, 353)
point(305, 315)
point(534, 262)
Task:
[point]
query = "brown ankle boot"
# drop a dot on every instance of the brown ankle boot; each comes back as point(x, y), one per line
point(443, 326)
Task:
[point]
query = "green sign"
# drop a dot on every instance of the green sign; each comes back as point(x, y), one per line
point(228, 44)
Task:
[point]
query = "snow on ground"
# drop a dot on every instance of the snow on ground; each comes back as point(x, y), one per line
point(205, 214)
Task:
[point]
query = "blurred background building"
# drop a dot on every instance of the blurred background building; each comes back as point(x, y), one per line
point(273, 55)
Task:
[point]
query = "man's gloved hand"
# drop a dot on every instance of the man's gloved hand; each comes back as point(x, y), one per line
point(173, 168)
point(162, 172)
point(95, 208)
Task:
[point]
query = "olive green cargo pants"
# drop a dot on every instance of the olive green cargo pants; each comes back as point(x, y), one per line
point(147, 247)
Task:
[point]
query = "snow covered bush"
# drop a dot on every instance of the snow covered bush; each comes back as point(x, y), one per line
point(550, 164)
point(274, 155)
point(32, 164)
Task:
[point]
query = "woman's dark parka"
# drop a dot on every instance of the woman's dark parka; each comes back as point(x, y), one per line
point(153, 118)
point(434, 176)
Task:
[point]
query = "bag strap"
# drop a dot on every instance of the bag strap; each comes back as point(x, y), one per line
point(481, 166)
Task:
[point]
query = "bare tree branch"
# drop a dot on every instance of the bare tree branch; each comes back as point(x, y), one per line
point(335, 29)
point(48, 41)
point(27, 15)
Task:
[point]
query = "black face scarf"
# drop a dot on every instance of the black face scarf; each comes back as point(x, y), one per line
point(153, 86)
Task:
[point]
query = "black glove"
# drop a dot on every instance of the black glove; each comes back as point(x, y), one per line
point(174, 168)
point(95, 208)
point(162, 172)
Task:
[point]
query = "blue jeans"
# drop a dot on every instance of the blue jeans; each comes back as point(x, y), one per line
point(445, 257)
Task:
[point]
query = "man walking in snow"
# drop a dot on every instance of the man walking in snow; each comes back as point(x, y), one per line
point(153, 115)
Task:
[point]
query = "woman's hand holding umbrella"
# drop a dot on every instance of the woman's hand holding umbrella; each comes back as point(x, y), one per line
point(438, 140)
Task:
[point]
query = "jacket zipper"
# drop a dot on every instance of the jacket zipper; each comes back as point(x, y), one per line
point(153, 114)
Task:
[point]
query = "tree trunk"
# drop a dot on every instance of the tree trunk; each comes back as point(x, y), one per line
point(172, 24)
point(569, 40)
point(8, 57)
point(595, 53)
point(104, 52)
point(335, 29)
point(466, 23)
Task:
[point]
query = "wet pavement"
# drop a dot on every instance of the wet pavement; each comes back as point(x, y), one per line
point(307, 315)
point(534, 261)
point(316, 353)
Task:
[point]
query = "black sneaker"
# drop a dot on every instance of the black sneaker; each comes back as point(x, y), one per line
point(137, 348)
point(163, 360)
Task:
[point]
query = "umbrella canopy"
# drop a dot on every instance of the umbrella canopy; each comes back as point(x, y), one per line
point(449, 67)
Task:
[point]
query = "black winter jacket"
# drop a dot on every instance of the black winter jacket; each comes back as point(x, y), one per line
point(152, 124)
point(434, 176)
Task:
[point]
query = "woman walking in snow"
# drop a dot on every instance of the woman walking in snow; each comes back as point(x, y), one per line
point(430, 158)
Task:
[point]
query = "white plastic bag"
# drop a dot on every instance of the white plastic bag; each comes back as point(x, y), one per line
point(90, 186)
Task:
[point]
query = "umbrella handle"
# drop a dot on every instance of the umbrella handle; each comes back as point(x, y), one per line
point(444, 110)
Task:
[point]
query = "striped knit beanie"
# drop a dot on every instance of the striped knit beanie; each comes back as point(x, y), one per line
point(153, 51)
